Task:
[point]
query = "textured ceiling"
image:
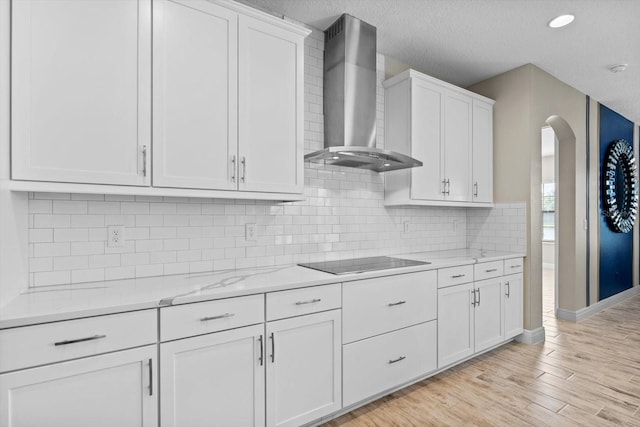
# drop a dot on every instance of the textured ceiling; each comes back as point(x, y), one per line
point(467, 41)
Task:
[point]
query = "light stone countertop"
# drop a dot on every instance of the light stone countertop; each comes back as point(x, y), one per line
point(64, 302)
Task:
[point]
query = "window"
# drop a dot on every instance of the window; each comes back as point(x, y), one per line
point(548, 212)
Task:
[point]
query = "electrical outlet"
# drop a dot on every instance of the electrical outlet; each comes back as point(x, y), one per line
point(250, 232)
point(407, 226)
point(115, 236)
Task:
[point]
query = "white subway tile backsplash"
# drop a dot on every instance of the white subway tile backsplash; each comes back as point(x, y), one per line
point(87, 275)
point(69, 207)
point(70, 262)
point(343, 216)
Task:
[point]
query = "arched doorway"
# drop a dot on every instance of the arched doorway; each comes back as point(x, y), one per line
point(565, 214)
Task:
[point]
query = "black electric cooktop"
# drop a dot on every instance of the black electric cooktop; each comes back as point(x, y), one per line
point(361, 265)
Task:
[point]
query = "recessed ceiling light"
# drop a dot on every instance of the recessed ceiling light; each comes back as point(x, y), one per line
point(618, 68)
point(561, 21)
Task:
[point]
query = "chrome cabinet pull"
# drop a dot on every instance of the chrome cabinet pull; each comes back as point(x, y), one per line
point(478, 297)
point(261, 358)
point(399, 359)
point(392, 304)
point(311, 301)
point(457, 276)
point(473, 291)
point(144, 160)
point(150, 377)
point(475, 189)
point(273, 348)
point(508, 294)
point(515, 266)
point(491, 270)
point(243, 162)
point(448, 187)
point(444, 187)
point(221, 316)
point(77, 340)
point(233, 168)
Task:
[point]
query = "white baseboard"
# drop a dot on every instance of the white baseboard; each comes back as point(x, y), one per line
point(531, 336)
point(583, 313)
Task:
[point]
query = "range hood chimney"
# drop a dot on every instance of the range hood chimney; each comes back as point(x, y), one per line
point(350, 100)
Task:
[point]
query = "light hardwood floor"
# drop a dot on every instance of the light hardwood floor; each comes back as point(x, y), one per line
point(584, 374)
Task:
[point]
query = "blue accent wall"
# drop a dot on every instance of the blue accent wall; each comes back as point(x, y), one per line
point(616, 249)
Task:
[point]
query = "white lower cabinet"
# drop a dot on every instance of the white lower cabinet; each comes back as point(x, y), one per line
point(380, 363)
point(488, 313)
point(214, 379)
point(303, 363)
point(513, 305)
point(115, 389)
point(455, 323)
point(469, 319)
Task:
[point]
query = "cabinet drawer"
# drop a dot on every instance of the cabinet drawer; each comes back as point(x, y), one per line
point(303, 301)
point(204, 317)
point(377, 364)
point(513, 265)
point(488, 270)
point(455, 275)
point(54, 342)
point(375, 306)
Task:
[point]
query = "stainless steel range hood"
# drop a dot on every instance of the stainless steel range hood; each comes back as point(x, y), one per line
point(350, 100)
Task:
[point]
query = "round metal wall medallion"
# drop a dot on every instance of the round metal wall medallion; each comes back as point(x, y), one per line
point(620, 186)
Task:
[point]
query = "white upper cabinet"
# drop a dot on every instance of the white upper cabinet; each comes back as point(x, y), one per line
point(195, 95)
point(426, 131)
point(271, 66)
point(450, 130)
point(81, 80)
point(482, 152)
point(228, 87)
point(457, 146)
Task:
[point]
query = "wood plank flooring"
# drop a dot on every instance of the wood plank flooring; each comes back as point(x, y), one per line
point(584, 374)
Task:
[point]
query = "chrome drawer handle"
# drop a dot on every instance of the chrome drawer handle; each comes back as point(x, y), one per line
point(221, 316)
point(515, 266)
point(392, 304)
point(457, 276)
point(399, 359)
point(66, 342)
point(311, 301)
point(491, 270)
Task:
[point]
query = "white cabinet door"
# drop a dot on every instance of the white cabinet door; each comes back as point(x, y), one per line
point(81, 80)
point(304, 368)
point(455, 323)
point(270, 88)
point(512, 305)
point(482, 152)
point(488, 314)
point(195, 95)
point(214, 379)
point(427, 124)
point(457, 146)
point(115, 389)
